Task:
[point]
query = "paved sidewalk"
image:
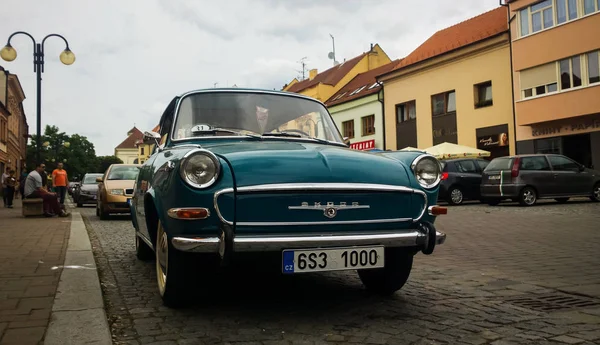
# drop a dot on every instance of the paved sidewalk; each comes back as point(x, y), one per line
point(31, 249)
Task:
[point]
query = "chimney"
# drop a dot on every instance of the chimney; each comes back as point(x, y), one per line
point(312, 73)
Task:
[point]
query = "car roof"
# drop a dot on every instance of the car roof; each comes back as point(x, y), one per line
point(250, 90)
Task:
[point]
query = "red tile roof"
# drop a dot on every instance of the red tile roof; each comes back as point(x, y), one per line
point(366, 80)
point(331, 76)
point(129, 143)
point(472, 30)
point(156, 129)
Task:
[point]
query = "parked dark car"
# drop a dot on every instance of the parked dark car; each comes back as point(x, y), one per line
point(461, 179)
point(87, 190)
point(527, 178)
point(72, 186)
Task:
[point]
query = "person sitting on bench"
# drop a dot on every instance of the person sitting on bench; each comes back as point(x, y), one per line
point(34, 188)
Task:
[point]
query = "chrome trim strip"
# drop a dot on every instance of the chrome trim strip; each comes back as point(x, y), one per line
point(148, 242)
point(411, 238)
point(286, 187)
point(173, 212)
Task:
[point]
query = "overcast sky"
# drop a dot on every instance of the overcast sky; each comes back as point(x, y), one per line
point(133, 56)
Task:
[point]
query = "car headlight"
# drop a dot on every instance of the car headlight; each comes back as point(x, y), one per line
point(427, 170)
point(116, 192)
point(200, 168)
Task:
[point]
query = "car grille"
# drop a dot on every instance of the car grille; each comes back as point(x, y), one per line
point(273, 207)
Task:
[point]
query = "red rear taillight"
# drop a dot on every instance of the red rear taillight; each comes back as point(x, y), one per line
point(444, 175)
point(515, 168)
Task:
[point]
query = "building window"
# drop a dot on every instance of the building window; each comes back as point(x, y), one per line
point(565, 10)
point(348, 129)
point(483, 95)
point(406, 111)
point(547, 146)
point(443, 103)
point(590, 6)
point(570, 73)
point(593, 67)
point(3, 131)
point(368, 125)
point(541, 15)
point(142, 150)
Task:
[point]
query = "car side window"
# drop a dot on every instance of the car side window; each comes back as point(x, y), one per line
point(563, 164)
point(467, 167)
point(534, 163)
point(482, 164)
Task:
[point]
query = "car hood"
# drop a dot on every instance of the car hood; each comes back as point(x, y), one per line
point(89, 187)
point(268, 162)
point(119, 184)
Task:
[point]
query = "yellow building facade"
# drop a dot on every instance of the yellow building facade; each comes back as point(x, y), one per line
point(462, 95)
point(322, 86)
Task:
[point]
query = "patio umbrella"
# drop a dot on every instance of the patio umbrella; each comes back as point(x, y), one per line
point(410, 148)
point(449, 150)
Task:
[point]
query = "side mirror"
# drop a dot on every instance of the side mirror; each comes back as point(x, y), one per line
point(151, 137)
point(581, 167)
point(98, 179)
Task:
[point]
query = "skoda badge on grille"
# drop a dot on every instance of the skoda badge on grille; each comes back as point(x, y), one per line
point(329, 209)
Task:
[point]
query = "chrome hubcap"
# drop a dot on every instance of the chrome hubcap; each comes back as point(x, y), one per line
point(456, 196)
point(597, 193)
point(529, 197)
point(162, 254)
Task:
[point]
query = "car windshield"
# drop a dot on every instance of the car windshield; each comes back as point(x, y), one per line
point(237, 113)
point(91, 179)
point(123, 173)
point(498, 164)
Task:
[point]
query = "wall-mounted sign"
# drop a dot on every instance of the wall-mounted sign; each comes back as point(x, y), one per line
point(565, 128)
point(363, 145)
point(492, 141)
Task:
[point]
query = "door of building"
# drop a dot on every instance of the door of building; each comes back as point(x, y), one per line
point(578, 147)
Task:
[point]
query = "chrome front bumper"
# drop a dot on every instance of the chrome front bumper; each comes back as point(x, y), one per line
point(412, 238)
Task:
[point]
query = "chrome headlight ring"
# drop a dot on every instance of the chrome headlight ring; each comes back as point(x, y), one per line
point(195, 164)
point(419, 165)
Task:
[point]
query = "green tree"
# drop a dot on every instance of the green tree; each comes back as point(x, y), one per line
point(76, 152)
point(105, 161)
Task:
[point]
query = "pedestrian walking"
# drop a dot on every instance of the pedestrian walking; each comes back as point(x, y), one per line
point(11, 183)
point(60, 181)
point(4, 191)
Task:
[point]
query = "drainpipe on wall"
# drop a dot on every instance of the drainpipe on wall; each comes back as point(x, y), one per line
point(512, 74)
point(380, 96)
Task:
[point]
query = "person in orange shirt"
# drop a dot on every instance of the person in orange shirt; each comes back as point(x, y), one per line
point(60, 181)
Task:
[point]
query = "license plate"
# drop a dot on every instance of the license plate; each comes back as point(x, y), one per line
point(332, 259)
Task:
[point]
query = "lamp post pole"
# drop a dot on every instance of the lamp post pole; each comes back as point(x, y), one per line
point(67, 57)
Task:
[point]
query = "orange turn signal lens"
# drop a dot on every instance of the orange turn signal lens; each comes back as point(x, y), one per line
point(189, 213)
point(437, 210)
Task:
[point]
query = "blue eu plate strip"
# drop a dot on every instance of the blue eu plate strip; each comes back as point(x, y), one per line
point(288, 262)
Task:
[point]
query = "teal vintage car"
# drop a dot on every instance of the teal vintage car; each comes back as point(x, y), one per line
point(242, 171)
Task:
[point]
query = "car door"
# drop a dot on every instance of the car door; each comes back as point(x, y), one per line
point(569, 177)
point(470, 177)
point(535, 171)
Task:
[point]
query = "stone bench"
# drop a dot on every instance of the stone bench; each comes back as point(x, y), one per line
point(33, 207)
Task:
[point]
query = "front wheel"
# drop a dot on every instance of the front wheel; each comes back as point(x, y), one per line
point(170, 271)
point(390, 278)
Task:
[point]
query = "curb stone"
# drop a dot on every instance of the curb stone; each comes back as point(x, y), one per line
point(78, 314)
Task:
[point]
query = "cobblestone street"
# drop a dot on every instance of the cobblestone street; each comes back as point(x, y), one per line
point(506, 275)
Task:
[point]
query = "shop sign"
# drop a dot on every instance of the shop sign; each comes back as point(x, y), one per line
point(492, 141)
point(363, 145)
point(584, 126)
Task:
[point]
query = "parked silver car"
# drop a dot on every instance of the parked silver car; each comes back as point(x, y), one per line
point(527, 178)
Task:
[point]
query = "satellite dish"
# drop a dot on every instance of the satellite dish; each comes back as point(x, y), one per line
point(331, 56)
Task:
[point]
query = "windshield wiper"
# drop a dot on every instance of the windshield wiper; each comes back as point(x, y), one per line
point(214, 130)
point(295, 135)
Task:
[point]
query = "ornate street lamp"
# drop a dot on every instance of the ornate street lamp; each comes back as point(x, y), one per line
point(67, 57)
